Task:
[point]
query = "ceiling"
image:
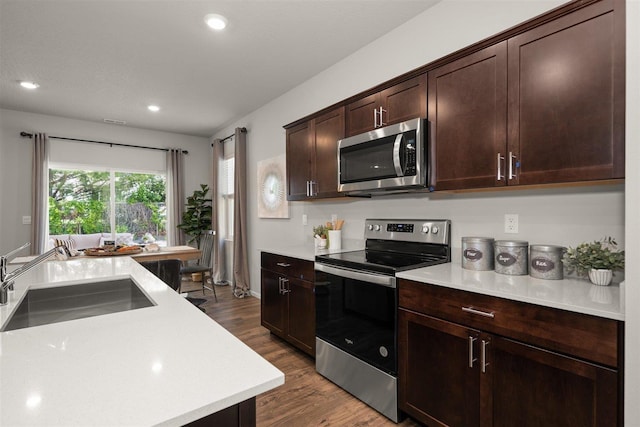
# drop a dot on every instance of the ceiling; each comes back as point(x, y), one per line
point(109, 59)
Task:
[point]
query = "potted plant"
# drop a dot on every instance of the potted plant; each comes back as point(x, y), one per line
point(196, 219)
point(597, 259)
point(320, 236)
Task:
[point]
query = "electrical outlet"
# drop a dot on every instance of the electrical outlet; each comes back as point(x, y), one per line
point(26, 220)
point(511, 223)
point(334, 218)
point(305, 220)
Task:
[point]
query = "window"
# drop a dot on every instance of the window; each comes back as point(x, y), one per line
point(90, 201)
point(227, 173)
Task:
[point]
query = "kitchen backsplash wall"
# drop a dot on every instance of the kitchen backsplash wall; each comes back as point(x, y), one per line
point(546, 216)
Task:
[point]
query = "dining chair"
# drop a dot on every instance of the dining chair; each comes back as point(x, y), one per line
point(168, 270)
point(204, 263)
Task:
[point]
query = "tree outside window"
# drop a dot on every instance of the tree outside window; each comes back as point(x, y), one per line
point(84, 202)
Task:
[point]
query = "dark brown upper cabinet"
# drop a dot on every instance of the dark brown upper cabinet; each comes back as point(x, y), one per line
point(468, 115)
point(566, 98)
point(403, 101)
point(312, 159)
point(544, 106)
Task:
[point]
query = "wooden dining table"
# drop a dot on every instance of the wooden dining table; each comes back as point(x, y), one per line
point(183, 253)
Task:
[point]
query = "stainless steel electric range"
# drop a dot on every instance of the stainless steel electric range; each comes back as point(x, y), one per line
point(356, 305)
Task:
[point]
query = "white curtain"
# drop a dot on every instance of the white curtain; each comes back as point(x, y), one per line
point(219, 273)
point(40, 194)
point(175, 196)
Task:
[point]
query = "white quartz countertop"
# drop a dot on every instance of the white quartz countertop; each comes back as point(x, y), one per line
point(308, 251)
point(572, 294)
point(168, 364)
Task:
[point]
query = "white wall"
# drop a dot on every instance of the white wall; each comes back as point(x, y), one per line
point(16, 152)
point(558, 216)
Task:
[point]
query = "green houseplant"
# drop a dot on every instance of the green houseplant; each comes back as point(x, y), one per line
point(597, 259)
point(196, 219)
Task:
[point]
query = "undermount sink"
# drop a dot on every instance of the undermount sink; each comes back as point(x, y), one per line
point(60, 304)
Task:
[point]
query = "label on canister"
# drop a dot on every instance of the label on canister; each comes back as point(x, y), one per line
point(506, 259)
point(472, 254)
point(542, 264)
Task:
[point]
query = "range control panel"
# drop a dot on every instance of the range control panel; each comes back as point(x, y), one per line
point(409, 230)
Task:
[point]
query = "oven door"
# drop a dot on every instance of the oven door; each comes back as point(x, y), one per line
point(356, 312)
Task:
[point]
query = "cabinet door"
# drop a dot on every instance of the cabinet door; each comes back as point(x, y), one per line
point(404, 101)
point(468, 115)
point(328, 129)
point(301, 315)
point(299, 161)
point(436, 384)
point(360, 115)
point(566, 98)
point(272, 303)
point(534, 387)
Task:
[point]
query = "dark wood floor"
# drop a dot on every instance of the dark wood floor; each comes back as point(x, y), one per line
point(306, 398)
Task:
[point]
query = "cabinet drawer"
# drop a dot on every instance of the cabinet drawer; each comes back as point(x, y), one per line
point(288, 266)
point(580, 335)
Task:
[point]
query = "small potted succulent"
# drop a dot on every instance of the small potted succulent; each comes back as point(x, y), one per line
point(597, 259)
point(320, 235)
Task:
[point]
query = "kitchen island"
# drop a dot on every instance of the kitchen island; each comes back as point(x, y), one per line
point(167, 364)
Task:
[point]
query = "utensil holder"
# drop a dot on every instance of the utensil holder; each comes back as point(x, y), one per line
point(335, 239)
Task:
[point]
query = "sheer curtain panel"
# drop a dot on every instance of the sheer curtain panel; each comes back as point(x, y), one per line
point(218, 242)
point(175, 196)
point(241, 285)
point(40, 194)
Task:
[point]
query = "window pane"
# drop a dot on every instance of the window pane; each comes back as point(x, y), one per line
point(141, 207)
point(78, 202)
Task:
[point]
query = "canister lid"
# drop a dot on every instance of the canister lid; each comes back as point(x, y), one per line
point(547, 248)
point(512, 243)
point(478, 239)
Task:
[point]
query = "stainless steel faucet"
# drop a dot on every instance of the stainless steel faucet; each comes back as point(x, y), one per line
point(7, 279)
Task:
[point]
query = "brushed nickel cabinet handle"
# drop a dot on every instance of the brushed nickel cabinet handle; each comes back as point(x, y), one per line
point(283, 264)
point(471, 358)
point(479, 312)
point(511, 159)
point(500, 175)
point(382, 123)
point(375, 118)
point(285, 290)
point(483, 356)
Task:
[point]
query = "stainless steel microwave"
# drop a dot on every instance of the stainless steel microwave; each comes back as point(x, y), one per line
point(391, 158)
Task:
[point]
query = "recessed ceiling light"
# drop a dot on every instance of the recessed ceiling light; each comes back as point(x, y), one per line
point(153, 108)
point(215, 21)
point(29, 85)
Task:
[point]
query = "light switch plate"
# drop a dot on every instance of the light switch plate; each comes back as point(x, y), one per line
point(305, 220)
point(26, 220)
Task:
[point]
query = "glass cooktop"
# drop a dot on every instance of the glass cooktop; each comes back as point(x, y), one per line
point(380, 261)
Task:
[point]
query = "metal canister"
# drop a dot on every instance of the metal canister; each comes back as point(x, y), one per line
point(546, 262)
point(511, 257)
point(477, 253)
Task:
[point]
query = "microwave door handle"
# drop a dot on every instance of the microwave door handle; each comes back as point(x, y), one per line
point(396, 155)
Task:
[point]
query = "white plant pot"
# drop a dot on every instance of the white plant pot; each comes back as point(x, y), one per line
point(600, 277)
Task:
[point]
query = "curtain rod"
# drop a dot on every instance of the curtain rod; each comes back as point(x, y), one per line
point(29, 135)
point(243, 130)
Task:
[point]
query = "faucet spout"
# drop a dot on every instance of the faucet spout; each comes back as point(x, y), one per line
point(6, 279)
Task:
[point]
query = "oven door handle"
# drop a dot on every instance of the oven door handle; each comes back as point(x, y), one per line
point(377, 279)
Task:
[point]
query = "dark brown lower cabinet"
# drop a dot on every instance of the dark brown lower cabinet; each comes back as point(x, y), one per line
point(454, 373)
point(287, 300)
point(241, 415)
